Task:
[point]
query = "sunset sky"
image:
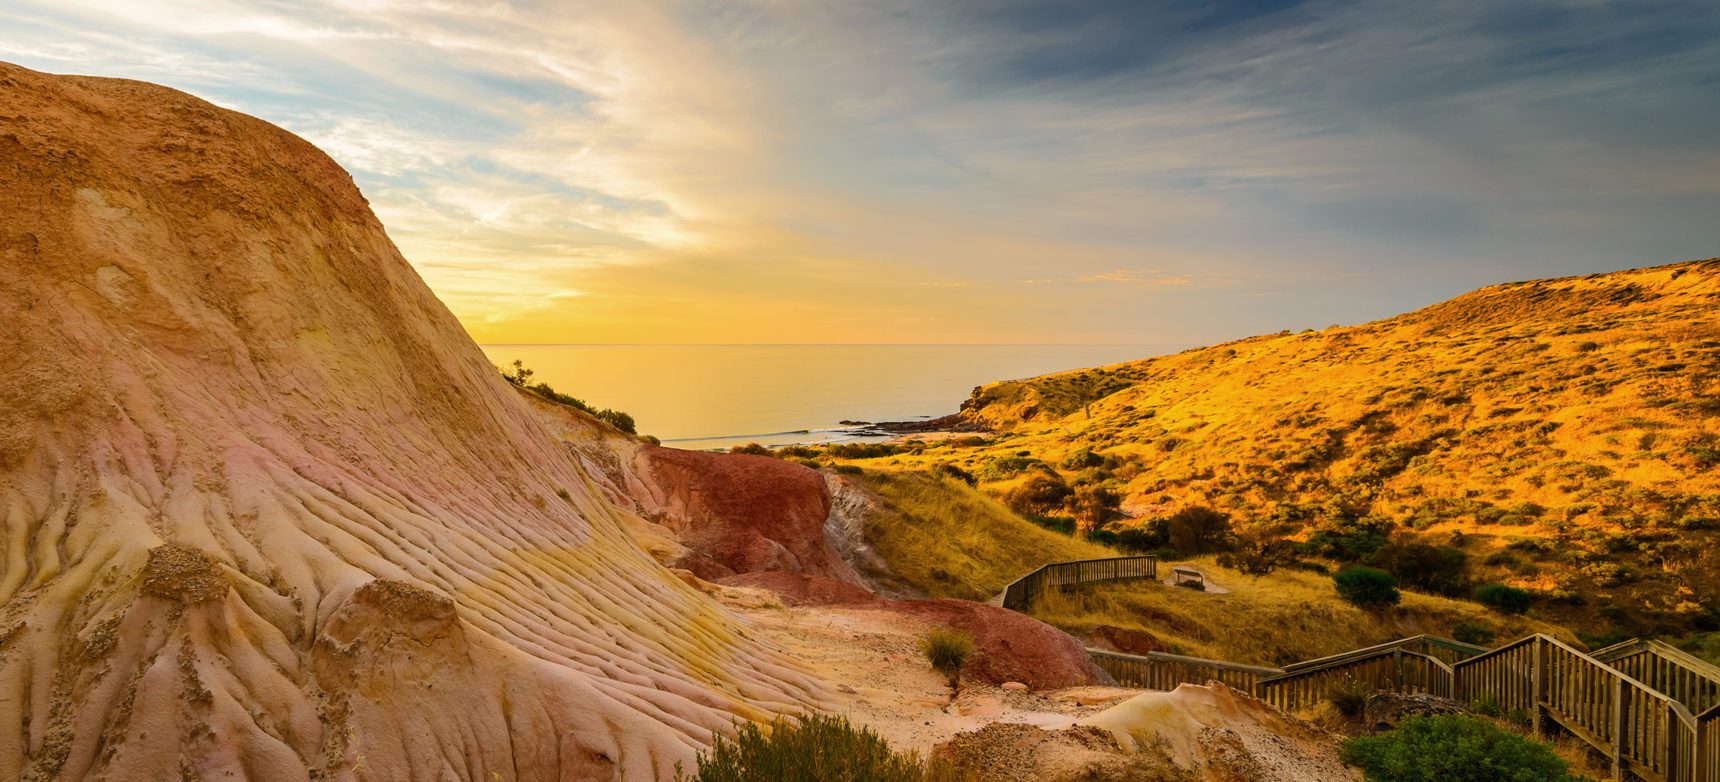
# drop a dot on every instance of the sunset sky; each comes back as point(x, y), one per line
point(954, 171)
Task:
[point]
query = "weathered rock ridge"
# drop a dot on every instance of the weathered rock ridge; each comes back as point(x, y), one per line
point(270, 514)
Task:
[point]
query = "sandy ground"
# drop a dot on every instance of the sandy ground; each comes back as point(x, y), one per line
point(873, 659)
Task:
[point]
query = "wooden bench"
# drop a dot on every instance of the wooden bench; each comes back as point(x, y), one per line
point(1180, 575)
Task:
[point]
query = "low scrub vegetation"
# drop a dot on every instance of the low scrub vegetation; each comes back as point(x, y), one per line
point(521, 377)
point(1455, 749)
point(1366, 587)
point(1505, 599)
point(947, 649)
point(813, 748)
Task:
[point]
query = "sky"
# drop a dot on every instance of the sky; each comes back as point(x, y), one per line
point(962, 171)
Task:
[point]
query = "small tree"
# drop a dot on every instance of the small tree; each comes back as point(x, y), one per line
point(1504, 599)
point(947, 650)
point(1041, 495)
point(1198, 529)
point(1366, 587)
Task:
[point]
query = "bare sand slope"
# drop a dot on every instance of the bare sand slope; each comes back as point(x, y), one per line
point(269, 513)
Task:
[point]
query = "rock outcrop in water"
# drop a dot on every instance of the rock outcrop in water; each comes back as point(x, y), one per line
point(269, 513)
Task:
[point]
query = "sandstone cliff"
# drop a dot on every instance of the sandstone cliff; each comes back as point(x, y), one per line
point(269, 513)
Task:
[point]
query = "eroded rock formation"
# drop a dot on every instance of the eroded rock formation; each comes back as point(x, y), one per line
point(268, 513)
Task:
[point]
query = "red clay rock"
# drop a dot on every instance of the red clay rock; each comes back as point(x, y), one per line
point(745, 514)
point(800, 589)
point(1122, 639)
point(1011, 647)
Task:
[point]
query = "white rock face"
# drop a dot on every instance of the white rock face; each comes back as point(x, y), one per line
point(381, 565)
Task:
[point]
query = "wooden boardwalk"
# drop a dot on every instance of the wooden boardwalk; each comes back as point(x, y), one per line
point(1652, 709)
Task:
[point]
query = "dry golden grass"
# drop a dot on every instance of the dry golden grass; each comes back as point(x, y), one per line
point(1276, 619)
point(938, 523)
point(1582, 412)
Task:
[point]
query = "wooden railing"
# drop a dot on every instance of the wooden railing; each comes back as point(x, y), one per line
point(1162, 671)
point(1385, 668)
point(1685, 678)
point(1654, 710)
point(1021, 593)
point(1443, 649)
point(1644, 731)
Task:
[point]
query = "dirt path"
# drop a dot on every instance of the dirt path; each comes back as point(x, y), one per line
point(873, 659)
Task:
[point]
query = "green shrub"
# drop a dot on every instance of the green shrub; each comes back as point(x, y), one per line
point(1437, 569)
point(1504, 599)
point(1082, 458)
point(812, 749)
point(947, 650)
point(1472, 633)
point(1487, 705)
point(1144, 538)
point(1454, 749)
point(751, 449)
point(1366, 587)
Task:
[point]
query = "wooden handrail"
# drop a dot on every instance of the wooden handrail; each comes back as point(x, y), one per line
point(1019, 594)
point(1179, 658)
point(1401, 643)
point(1635, 720)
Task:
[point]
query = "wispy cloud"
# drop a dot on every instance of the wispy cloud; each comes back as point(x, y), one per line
point(894, 171)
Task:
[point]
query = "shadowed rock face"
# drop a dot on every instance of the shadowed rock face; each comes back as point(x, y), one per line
point(268, 513)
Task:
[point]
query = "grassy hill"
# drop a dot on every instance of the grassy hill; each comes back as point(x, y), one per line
point(1563, 435)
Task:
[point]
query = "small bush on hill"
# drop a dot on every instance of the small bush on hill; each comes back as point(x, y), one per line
point(814, 748)
point(1472, 633)
point(1040, 495)
point(1081, 459)
point(1451, 748)
point(1005, 467)
point(751, 449)
point(1144, 538)
point(859, 450)
point(1198, 529)
point(1093, 505)
point(1504, 599)
point(957, 473)
point(1366, 587)
point(1350, 539)
point(1441, 570)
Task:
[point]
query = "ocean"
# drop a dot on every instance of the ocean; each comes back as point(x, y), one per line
point(716, 396)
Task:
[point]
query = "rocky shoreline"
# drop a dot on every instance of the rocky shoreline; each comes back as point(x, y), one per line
point(955, 422)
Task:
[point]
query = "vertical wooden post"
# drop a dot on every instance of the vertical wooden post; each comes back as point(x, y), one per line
point(1703, 750)
point(1669, 734)
point(1536, 679)
point(1618, 727)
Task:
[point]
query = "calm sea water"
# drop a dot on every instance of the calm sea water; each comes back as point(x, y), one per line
point(714, 396)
